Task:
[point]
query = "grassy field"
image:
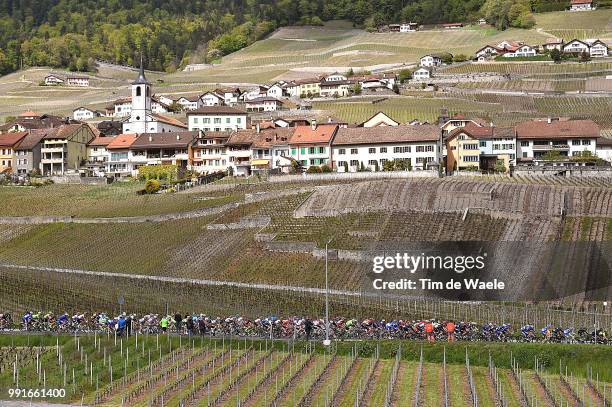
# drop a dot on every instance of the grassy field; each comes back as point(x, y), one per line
point(146, 369)
point(117, 199)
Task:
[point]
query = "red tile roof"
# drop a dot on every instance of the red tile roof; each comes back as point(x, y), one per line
point(121, 141)
point(101, 141)
point(179, 139)
point(12, 139)
point(322, 133)
point(581, 2)
point(482, 132)
point(541, 129)
point(169, 120)
point(386, 134)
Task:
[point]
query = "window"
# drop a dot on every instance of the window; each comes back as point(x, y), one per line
point(524, 154)
point(354, 163)
point(354, 151)
point(512, 156)
point(228, 120)
point(321, 150)
point(575, 142)
point(383, 149)
point(138, 91)
point(484, 144)
point(470, 146)
point(404, 149)
point(524, 144)
point(312, 150)
point(342, 151)
point(372, 163)
point(372, 151)
point(383, 161)
point(471, 158)
point(238, 120)
point(496, 146)
point(586, 142)
point(195, 120)
point(313, 162)
point(341, 163)
point(206, 120)
point(303, 150)
point(293, 151)
point(217, 120)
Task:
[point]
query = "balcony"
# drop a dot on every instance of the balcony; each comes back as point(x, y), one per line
point(52, 149)
point(549, 147)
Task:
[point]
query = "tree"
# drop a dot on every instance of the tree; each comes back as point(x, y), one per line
point(508, 13)
point(405, 75)
point(326, 168)
point(152, 186)
point(388, 165)
point(460, 58)
point(499, 166)
point(350, 73)
point(357, 88)
point(400, 165)
point(555, 55)
point(585, 57)
point(313, 169)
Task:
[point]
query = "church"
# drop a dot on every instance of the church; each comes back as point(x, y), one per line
point(142, 119)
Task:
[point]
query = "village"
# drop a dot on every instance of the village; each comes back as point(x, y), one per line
point(222, 138)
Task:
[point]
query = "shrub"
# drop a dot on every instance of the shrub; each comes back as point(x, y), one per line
point(314, 170)
point(326, 168)
point(159, 172)
point(152, 186)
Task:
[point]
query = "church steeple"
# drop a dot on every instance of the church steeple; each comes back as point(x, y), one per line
point(141, 80)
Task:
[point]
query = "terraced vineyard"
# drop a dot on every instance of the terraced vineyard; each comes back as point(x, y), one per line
point(195, 371)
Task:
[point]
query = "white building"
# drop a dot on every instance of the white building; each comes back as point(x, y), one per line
point(83, 113)
point(263, 104)
point(210, 152)
point(81, 81)
point(217, 118)
point(378, 120)
point(51, 80)
point(604, 149)
point(522, 51)
point(422, 74)
point(212, 99)
point(408, 27)
point(576, 47)
point(276, 91)
point(581, 5)
point(569, 137)
point(431, 61)
point(597, 48)
point(371, 147)
point(189, 102)
point(142, 119)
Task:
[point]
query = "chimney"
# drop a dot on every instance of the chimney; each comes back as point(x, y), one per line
point(313, 125)
point(549, 120)
point(150, 138)
point(329, 119)
point(258, 129)
point(178, 137)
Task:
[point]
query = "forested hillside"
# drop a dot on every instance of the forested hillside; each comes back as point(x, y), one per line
point(71, 33)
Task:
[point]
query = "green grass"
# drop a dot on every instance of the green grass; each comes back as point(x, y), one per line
point(117, 199)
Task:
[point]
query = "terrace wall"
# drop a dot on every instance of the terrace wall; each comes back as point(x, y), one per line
point(354, 176)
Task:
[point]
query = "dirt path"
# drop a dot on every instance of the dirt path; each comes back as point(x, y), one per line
point(374, 378)
point(265, 384)
point(568, 393)
point(541, 392)
point(351, 377)
point(514, 386)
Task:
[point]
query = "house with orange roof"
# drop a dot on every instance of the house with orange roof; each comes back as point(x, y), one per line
point(474, 147)
point(311, 145)
point(119, 159)
point(8, 144)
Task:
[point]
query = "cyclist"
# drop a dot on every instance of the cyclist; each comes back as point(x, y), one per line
point(164, 324)
point(450, 331)
point(429, 331)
